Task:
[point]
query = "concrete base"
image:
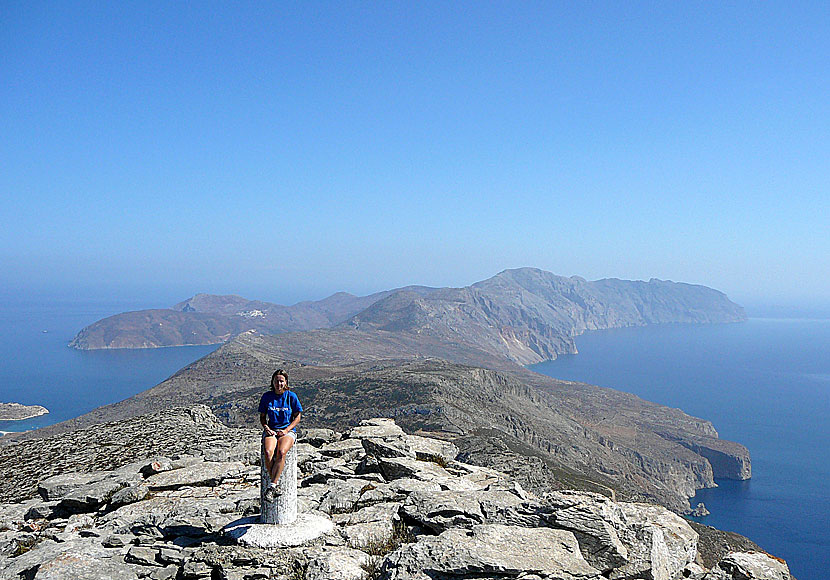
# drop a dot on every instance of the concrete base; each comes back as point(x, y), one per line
point(307, 527)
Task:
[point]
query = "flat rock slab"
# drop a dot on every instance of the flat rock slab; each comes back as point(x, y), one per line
point(69, 566)
point(209, 473)
point(307, 527)
point(491, 551)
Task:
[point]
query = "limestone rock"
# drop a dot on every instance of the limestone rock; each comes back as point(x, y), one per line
point(338, 563)
point(490, 551)
point(443, 510)
point(59, 486)
point(157, 465)
point(750, 566)
point(130, 494)
point(91, 496)
point(595, 520)
point(657, 540)
point(347, 448)
point(208, 473)
point(398, 467)
point(426, 448)
point(343, 495)
point(74, 566)
point(381, 428)
point(319, 437)
point(25, 565)
point(378, 447)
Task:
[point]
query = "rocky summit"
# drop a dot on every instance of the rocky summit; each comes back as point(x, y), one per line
point(403, 507)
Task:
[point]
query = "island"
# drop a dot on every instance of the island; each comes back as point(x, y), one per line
point(18, 412)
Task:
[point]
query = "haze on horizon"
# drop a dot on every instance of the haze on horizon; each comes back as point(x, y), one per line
point(287, 152)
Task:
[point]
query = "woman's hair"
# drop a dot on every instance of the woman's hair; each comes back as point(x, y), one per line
point(277, 373)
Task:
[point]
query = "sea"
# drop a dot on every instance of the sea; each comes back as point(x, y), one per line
point(38, 368)
point(764, 383)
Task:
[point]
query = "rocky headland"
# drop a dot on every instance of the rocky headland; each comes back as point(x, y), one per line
point(18, 412)
point(152, 496)
point(527, 315)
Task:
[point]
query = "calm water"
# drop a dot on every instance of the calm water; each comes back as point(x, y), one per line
point(764, 383)
point(37, 368)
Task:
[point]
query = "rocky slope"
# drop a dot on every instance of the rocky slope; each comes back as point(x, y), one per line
point(573, 434)
point(526, 315)
point(404, 507)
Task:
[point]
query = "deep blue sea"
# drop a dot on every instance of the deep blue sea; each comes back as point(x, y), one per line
point(764, 383)
point(37, 368)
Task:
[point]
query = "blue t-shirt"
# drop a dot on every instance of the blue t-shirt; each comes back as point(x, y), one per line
point(279, 408)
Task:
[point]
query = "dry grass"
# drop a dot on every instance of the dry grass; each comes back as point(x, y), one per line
point(379, 548)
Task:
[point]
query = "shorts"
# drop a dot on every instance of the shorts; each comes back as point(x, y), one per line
point(291, 433)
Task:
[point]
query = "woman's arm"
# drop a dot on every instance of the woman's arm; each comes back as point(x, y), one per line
point(263, 418)
point(295, 420)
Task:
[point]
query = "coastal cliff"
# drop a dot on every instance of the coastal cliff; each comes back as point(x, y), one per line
point(136, 499)
point(527, 315)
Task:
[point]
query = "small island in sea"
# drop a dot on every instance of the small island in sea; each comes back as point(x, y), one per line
point(18, 412)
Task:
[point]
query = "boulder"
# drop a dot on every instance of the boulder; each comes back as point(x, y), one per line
point(91, 496)
point(595, 520)
point(343, 495)
point(426, 448)
point(129, 494)
point(383, 428)
point(59, 486)
point(440, 511)
point(399, 467)
point(490, 551)
point(87, 550)
point(319, 437)
point(378, 447)
point(750, 566)
point(660, 543)
point(347, 449)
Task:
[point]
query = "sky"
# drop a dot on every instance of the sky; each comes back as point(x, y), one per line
point(285, 151)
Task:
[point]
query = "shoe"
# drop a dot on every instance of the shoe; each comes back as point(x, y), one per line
point(271, 493)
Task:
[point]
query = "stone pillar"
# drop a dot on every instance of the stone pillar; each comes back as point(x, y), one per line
point(284, 509)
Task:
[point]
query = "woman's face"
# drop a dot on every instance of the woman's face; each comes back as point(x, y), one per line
point(280, 384)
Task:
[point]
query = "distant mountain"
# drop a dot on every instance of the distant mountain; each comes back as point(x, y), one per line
point(527, 314)
point(211, 319)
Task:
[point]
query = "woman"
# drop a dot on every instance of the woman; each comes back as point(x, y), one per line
point(279, 412)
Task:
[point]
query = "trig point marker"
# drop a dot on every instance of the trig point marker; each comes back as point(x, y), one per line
point(279, 525)
point(283, 510)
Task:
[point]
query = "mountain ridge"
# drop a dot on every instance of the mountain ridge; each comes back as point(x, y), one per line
point(527, 314)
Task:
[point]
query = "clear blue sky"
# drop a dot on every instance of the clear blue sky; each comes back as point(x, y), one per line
point(287, 151)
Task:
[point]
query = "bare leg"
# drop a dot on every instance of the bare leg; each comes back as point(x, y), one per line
point(284, 444)
point(269, 444)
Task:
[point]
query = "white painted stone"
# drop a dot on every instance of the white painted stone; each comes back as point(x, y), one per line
point(284, 509)
point(305, 528)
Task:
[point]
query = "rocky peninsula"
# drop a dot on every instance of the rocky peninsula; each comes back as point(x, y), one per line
point(526, 314)
point(152, 497)
point(18, 412)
